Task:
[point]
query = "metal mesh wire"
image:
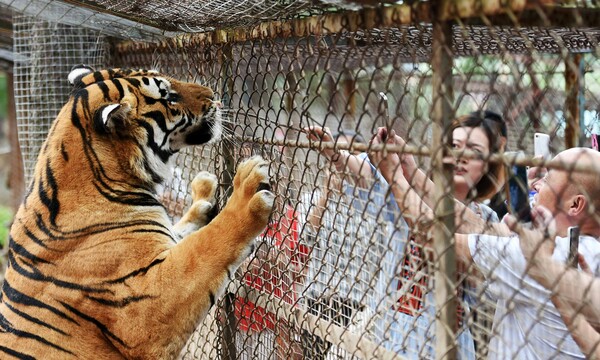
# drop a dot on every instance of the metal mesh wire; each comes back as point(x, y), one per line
point(200, 16)
point(339, 274)
point(45, 53)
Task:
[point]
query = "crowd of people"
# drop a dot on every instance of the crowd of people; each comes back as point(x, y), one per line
point(366, 268)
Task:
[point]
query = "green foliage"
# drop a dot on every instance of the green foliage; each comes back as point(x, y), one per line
point(5, 218)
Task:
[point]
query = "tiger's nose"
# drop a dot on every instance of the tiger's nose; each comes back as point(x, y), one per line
point(218, 104)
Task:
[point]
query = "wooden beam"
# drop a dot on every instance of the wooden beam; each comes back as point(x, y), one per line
point(365, 19)
point(443, 229)
point(573, 79)
point(228, 319)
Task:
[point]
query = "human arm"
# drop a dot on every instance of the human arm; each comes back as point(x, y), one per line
point(559, 279)
point(414, 209)
point(579, 290)
point(416, 212)
point(416, 199)
point(469, 222)
point(584, 334)
point(343, 160)
point(574, 288)
point(317, 209)
point(575, 294)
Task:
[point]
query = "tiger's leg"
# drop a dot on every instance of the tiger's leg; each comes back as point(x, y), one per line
point(194, 273)
point(244, 216)
point(204, 187)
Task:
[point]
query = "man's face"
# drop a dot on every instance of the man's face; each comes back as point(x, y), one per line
point(552, 194)
point(568, 193)
point(535, 177)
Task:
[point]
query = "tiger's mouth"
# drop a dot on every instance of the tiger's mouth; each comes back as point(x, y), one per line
point(201, 134)
point(207, 130)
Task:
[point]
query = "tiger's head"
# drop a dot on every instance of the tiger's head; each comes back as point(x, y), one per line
point(138, 119)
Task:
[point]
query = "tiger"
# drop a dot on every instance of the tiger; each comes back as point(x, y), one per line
point(96, 269)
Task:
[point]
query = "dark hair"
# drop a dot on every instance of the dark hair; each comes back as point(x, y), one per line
point(494, 128)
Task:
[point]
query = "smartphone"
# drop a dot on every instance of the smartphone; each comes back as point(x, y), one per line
point(541, 145)
point(573, 232)
point(518, 193)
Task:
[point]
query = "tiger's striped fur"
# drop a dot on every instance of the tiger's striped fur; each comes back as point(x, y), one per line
point(94, 269)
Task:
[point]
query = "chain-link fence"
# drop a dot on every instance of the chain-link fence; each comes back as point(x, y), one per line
point(351, 267)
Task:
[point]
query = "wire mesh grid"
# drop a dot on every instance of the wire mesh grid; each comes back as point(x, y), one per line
point(47, 51)
point(344, 269)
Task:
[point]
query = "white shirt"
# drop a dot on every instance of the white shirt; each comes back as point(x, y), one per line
point(526, 323)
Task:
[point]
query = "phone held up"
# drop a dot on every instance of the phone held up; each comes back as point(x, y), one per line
point(518, 193)
point(573, 233)
point(541, 145)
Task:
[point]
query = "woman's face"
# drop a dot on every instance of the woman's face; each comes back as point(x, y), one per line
point(468, 172)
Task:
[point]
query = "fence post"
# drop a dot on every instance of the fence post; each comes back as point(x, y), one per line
point(229, 321)
point(443, 243)
point(573, 102)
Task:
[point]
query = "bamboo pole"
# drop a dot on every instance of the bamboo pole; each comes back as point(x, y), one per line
point(443, 230)
point(509, 159)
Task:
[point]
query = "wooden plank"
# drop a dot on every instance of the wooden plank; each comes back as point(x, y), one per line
point(443, 228)
point(419, 12)
point(573, 79)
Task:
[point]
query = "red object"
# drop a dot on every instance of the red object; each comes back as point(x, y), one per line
point(273, 275)
point(412, 301)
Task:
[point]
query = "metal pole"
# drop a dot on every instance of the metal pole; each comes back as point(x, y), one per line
point(443, 231)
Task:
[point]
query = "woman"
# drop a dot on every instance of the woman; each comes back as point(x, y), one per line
point(410, 323)
point(475, 180)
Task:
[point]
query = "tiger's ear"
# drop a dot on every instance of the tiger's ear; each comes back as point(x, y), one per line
point(77, 73)
point(108, 117)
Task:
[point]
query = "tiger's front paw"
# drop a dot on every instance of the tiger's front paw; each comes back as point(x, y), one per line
point(204, 187)
point(252, 191)
point(202, 211)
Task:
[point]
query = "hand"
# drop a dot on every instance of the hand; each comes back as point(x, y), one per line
point(537, 243)
point(320, 134)
point(389, 164)
point(407, 161)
